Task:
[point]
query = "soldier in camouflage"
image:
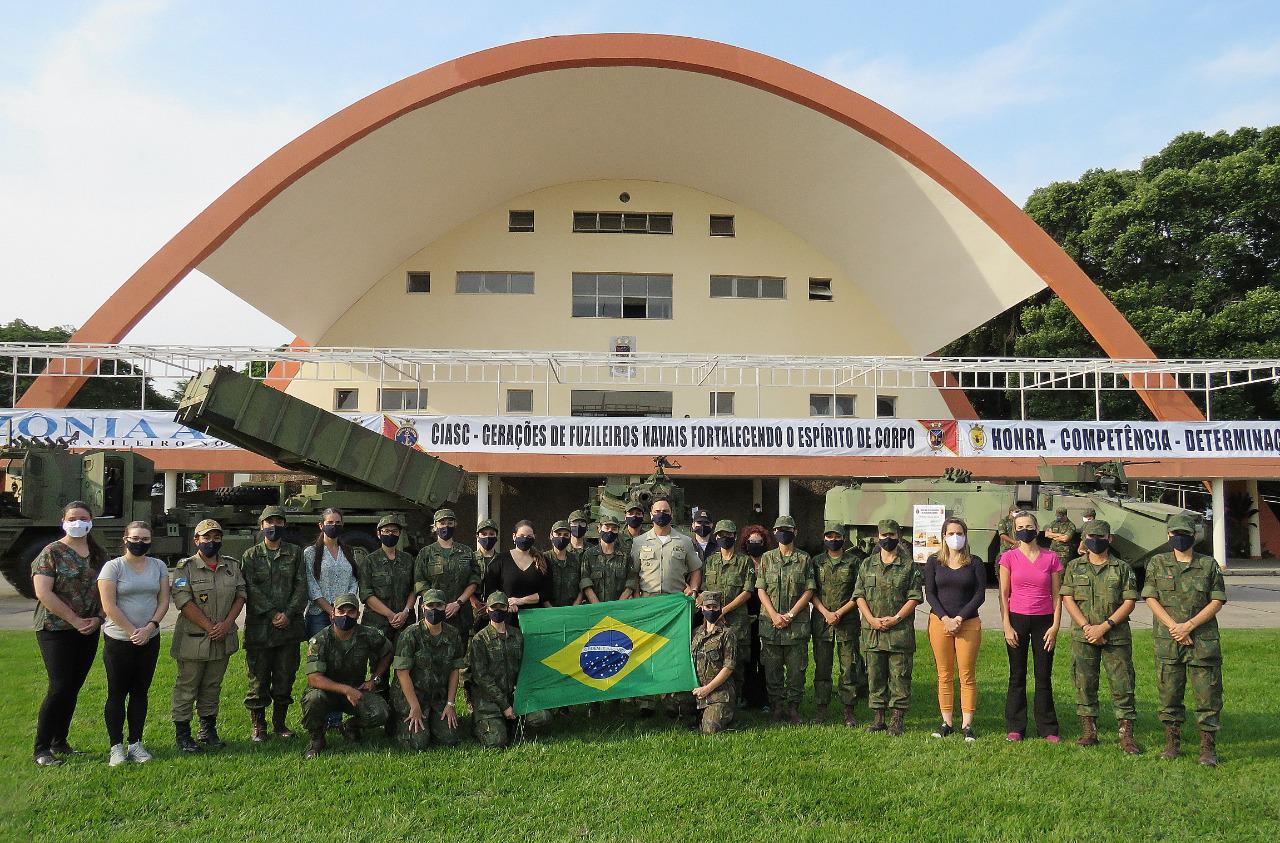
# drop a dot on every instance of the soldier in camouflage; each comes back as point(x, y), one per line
point(785, 584)
point(1061, 534)
point(714, 648)
point(889, 586)
point(835, 626)
point(564, 566)
point(1004, 529)
point(451, 568)
point(732, 575)
point(1185, 592)
point(493, 664)
point(343, 663)
point(428, 662)
point(1099, 591)
point(579, 521)
point(276, 596)
point(486, 549)
point(633, 527)
point(607, 572)
point(386, 583)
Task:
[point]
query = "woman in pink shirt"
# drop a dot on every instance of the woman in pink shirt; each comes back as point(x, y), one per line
point(1030, 580)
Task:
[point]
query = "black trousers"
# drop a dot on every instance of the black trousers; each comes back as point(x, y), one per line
point(1031, 630)
point(130, 668)
point(68, 656)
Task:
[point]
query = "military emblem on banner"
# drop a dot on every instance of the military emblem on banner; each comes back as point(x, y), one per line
point(401, 430)
point(941, 434)
point(977, 437)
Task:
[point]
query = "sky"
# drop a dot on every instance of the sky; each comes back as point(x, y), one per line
point(120, 121)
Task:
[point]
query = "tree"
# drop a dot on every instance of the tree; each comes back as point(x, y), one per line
point(1187, 247)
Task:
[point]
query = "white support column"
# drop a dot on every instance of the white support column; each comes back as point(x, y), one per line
point(757, 492)
point(784, 496)
point(170, 490)
point(1219, 486)
point(1255, 527)
point(495, 504)
point(482, 497)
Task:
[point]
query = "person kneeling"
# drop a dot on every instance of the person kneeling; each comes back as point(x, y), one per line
point(427, 664)
point(340, 660)
point(493, 664)
point(715, 655)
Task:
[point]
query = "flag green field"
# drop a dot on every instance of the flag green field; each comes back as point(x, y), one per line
point(604, 651)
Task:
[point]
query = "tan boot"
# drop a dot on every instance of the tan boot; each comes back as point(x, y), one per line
point(258, 720)
point(820, 715)
point(877, 723)
point(1172, 743)
point(1127, 742)
point(848, 717)
point(895, 722)
point(1209, 749)
point(1088, 731)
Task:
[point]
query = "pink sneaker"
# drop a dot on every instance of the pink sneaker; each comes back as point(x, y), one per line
point(1053, 738)
point(1013, 737)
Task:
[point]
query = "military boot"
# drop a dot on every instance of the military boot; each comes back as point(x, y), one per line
point(1209, 749)
point(820, 715)
point(277, 721)
point(877, 724)
point(779, 712)
point(317, 743)
point(895, 722)
point(793, 715)
point(350, 730)
point(182, 732)
point(1088, 731)
point(258, 719)
point(848, 717)
point(1127, 742)
point(208, 733)
point(1172, 743)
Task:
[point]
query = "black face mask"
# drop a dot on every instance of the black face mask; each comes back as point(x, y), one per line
point(559, 542)
point(1026, 535)
point(1181, 541)
point(344, 622)
point(712, 615)
point(755, 549)
point(388, 541)
point(209, 549)
point(785, 536)
point(487, 542)
point(444, 533)
point(331, 530)
point(273, 533)
point(833, 544)
point(634, 520)
point(498, 615)
point(890, 543)
point(703, 530)
point(523, 542)
point(138, 548)
point(661, 519)
point(725, 542)
point(577, 530)
point(608, 537)
point(1098, 544)
point(433, 616)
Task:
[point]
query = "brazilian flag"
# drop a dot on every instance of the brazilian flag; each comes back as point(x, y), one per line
point(604, 651)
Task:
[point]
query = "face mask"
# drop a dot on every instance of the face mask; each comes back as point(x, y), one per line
point(444, 533)
point(487, 542)
point(703, 530)
point(634, 520)
point(661, 519)
point(558, 542)
point(725, 542)
point(433, 616)
point(577, 530)
point(890, 544)
point(833, 544)
point(608, 537)
point(272, 533)
point(388, 541)
point(77, 529)
point(331, 530)
point(1028, 535)
point(524, 542)
point(1087, 519)
point(344, 622)
point(712, 615)
point(785, 536)
point(756, 549)
point(498, 615)
point(209, 549)
point(1181, 541)
point(1097, 544)
point(955, 541)
point(138, 548)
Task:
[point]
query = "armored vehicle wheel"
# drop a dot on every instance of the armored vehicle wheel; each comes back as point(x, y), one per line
point(17, 567)
point(247, 495)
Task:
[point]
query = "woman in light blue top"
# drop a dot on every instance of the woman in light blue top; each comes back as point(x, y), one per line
point(331, 571)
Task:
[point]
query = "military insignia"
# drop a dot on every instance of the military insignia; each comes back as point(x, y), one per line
point(180, 582)
point(204, 598)
point(603, 655)
point(406, 434)
point(935, 436)
point(977, 437)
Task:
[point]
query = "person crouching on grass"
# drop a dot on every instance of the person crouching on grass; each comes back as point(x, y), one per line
point(888, 589)
point(714, 647)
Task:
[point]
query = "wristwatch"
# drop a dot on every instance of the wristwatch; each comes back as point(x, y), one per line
point(1111, 623)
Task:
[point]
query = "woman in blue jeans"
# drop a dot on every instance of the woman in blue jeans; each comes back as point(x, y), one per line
point(331, 571)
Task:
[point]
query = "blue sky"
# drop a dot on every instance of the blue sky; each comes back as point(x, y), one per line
point(119, 121)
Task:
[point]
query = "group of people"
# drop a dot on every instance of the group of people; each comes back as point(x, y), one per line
point(392, 638)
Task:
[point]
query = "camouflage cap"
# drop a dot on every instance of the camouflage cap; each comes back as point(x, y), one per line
point(1097, 528)
point(560, 525)
point(609, 518)
point(391, 519)
point(710, 597)
point(270, 512)
point(208, 525)
point(833, 527)
point(724, 525)
point(496, 599)
point(1182, 524)
point(486, 524)
point(578, 515)
point(635, 506)
point(347, 599)
point(784, 521)
point(888, 525)
point(442, 514)
point(432, 595)
point(1090, 513)
point(1060, 512)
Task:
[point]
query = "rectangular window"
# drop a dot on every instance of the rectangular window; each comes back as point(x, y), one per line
point(346, 399)
point(886, 407)
point(821, 405)
point(418, 282)
point(402, 399)
point(495, 282)
point(519, 400)
point(621, 295)
point(613, 222)
point(820, 289)
point(722, 225)
point(748, 287)
point(722, 403)
point(610, 403)
point(520, 221)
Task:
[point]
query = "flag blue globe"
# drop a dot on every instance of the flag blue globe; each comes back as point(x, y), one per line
point(605, 653)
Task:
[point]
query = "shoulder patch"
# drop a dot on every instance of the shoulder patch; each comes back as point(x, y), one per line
point(180, 582)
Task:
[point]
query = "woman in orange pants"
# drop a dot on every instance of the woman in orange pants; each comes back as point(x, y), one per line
point(955, 586)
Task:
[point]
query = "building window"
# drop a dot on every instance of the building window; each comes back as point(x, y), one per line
point(620, 403)
point(722, 225)
point(822, 405)
point(402, 399)
point(418, 282)
point(748, 287)
point(519, 400)
point(722, 403)
point(621, 296)
point(886, 407)
point(820, 289)
point(495, 282)
point(520, 221)
point(346, 399)
point(608, 222)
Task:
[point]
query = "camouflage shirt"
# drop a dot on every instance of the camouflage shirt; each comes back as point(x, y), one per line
point(1183, 590)
point(1099, 590)
point(730, 577)
point(275, 581)
point(430, 659)
point(887, 588)
point(784, 579)
point(608, 574)
point(348, 662)
point(449, 569)
point(566, 577)
point(1066, 549)
point(389, 580)
point(836, 579)
point(712, 652)
point(75, 580)
point(493, 663)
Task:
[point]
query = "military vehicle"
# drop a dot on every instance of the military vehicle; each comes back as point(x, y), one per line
point(1138, 527)
point(616, 498)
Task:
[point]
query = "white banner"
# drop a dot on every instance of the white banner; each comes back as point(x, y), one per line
point(1125, 440)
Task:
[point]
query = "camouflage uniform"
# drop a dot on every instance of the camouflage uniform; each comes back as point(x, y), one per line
point(389, 580)
point(608, 574)
point(712, 652)
point(731, 578)
point(493, 663)
point(785, 652)
point(565, 574)
point(275, 581)
point(1063, 524)
point(889, 653)
point(451, 570)
point(347, 662)
point(836, 579)
point(430, 660)
point(202, 662)
point(1098, 591)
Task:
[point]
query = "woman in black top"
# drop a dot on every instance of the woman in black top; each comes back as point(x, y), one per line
point(519, 573)
point(955, 586)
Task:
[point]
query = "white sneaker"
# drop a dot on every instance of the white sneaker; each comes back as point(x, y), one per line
point(138, 753)
point(117, 756)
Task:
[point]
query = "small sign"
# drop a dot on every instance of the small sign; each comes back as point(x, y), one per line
point(623, 345)
point(926, 530)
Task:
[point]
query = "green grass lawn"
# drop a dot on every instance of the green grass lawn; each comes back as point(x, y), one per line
point(624, 779)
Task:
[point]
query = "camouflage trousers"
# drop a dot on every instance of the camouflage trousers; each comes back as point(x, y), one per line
point(888, 679)
point(198, 683)
point(715, 717)
point(437, 730)
point(371, 712)
point(1206, 689)
point(853, 671)
point(272, 671)
point(1088, 661)
point(784, 669)
point(494, 730)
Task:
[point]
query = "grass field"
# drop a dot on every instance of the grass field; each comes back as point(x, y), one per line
point(624, 779)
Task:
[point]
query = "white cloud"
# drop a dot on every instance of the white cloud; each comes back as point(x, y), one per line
point(1244, 64)
point(100, 170)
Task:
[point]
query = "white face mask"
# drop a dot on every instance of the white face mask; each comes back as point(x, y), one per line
point(77, 529)
point(1087, 519)
point(955, 541)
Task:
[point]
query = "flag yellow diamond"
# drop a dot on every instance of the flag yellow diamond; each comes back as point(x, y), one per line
point(605, 654)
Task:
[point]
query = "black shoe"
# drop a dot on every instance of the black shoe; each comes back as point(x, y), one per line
point(182, 737)
point(969, 736)
point(208, 733)
point(647, 712)
point(45, 758)
point(943, 731)
point(63, 748)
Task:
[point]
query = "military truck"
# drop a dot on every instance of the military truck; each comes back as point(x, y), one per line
point(1138, 527)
